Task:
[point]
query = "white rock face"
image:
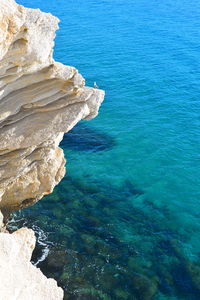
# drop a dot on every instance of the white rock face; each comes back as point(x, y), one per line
point(19, 279)
point(40, 99)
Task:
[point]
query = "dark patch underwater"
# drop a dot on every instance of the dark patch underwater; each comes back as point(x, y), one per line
point(90, 257)
point(85, 138)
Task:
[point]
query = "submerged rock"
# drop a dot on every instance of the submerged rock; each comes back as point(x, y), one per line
point(55, 261)
point(40, 100)
point(186, 273)
point(122, 294)
point(145, 288)
point(132, 189)
point(193, 270)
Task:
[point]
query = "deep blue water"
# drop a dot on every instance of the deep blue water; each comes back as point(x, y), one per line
point(124, 222)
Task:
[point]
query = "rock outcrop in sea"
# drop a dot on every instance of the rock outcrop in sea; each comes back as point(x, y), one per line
point(40, 100)
point(19, 279)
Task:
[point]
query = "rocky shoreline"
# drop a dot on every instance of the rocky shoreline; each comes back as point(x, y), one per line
point(19, 278)
point(40, 100)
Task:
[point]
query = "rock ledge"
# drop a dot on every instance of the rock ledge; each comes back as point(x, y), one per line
point(40, 100)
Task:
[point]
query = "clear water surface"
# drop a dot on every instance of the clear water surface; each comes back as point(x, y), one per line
point(124, 222)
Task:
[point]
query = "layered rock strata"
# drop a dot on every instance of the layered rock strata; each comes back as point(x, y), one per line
point(40, 100)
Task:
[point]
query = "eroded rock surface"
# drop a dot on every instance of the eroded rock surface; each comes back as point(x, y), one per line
point(19, 279)
point(40, 100)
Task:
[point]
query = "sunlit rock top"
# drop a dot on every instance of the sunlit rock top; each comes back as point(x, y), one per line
point(40, 100)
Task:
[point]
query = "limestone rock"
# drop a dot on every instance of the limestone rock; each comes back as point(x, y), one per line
point(19, 279)
point(40, 100)
point(1, 221)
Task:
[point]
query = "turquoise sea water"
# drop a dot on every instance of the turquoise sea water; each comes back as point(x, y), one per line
point(124, 222)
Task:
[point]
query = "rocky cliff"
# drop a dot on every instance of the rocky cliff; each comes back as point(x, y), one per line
point(40, 100)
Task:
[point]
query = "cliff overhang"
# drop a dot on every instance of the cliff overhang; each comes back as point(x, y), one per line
point(40, 100)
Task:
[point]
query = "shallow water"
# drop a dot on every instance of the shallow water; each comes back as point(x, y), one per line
point(124, 222)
